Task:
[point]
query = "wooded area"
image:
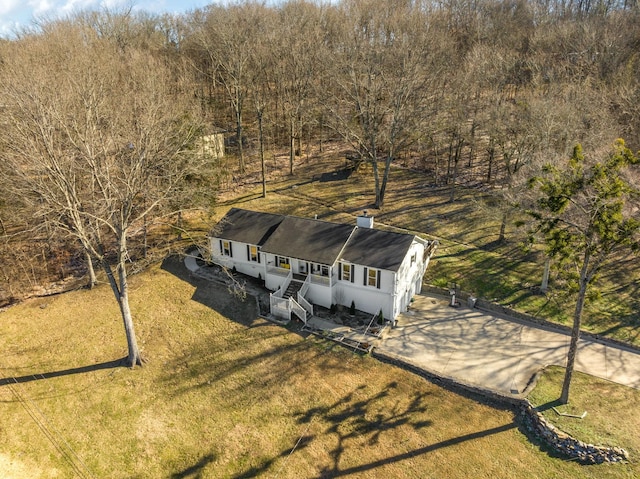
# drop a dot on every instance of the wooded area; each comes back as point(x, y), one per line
point(108, 107)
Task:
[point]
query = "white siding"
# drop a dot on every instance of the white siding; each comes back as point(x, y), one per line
point(392, 297)
point(369, 299)
point(239, 258)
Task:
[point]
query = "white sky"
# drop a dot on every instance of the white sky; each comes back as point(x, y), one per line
point(15, 14)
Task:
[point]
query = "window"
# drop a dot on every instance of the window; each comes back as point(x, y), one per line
point(320, 269)
point(346, 272)
point(225, 248)
point(372, 277)
point(413, 258)
point(252, 254)
point(283, 262)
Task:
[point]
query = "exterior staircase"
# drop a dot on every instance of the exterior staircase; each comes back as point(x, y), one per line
point(291, 301)
point(292, 289)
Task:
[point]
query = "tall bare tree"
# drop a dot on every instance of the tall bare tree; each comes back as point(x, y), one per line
point(99, 141)
point(296, 62)
point(379, 81)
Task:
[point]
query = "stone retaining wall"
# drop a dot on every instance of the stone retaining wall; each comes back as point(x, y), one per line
point(537, 425)
point(533, 421)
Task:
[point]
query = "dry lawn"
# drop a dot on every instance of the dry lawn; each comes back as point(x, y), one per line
point(225, 394)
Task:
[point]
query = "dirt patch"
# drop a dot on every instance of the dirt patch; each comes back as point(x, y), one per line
point(12, 468)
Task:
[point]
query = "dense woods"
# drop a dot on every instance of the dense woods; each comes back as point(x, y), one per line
point(474, 93)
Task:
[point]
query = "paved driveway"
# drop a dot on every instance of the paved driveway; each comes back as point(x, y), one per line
point(476, 348)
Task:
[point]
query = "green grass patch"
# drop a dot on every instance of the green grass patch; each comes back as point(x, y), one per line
point(612, 415)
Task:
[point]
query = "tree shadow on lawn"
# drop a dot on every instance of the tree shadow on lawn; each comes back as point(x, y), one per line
point(257, 362)
point(349, 421)
point(337, 472)
point(194, 471)
point(217, 295)
point(64, 372)
point(215, 358)
point(338, 175)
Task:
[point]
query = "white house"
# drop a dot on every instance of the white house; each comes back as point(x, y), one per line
point(310, 261)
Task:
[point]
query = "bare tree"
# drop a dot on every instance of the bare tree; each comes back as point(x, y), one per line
point(378, 81)
point(297, 48)
point(99, 138)
point(263, 59)
point(227, 36)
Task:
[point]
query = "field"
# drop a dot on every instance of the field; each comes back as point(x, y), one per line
point(227, 394)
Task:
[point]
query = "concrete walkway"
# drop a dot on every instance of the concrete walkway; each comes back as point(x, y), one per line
point(476, 348)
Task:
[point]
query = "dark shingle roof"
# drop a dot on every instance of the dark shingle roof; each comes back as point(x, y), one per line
point(377, 249)
point(309, 240)
point(315, 240)
point(247, 226)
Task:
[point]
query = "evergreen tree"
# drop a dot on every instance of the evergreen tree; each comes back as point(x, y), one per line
point(584, 216)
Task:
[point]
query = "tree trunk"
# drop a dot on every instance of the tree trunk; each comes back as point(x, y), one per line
point(454, 177)
point(491, 152)
point(545, 276)
point(134, 358)
point(179, 225)
point(145, 238)
point(321, 133)
point(503, 227)
point(575, 331)
point(436, 166)
point(299, 135)
point(292, 147)
point(449, 160)
point(385, 179)
point(376, 177)
point(472, 145)
point(90, 270)
point(121, 292)
point(262, 163)
point(239, 138)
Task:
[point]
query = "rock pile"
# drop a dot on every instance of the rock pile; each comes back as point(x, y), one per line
point(567, 445)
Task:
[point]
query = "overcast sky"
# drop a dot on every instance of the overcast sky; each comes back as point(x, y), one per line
point(20, 13)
